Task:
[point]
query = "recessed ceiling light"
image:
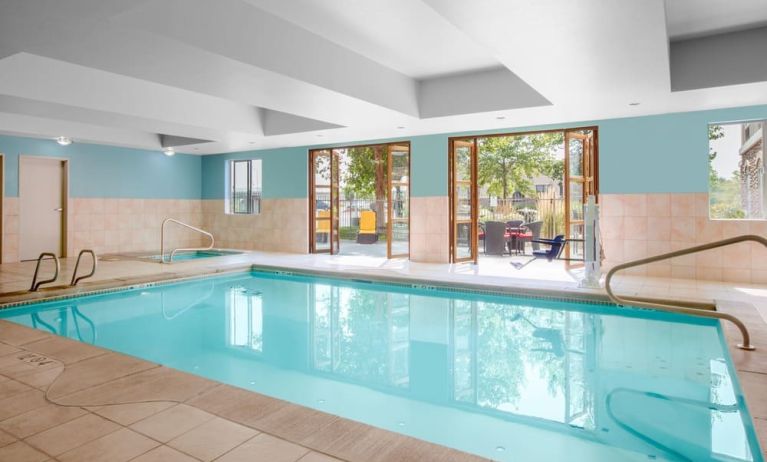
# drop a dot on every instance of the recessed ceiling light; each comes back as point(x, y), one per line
point(64, 140)
point(401, 127)
point(320, 135)
point(501, 117)
point(169, 151)
point(252, 142)
point(634, 103)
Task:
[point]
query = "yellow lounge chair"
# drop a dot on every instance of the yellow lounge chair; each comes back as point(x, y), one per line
point(322, 232)
point(368, 233)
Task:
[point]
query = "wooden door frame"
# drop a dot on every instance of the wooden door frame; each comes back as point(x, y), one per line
point(64, 244)
point(475, 187)
point(389, 209)
point(474, 195)
point(313, 202)
point(589, 186)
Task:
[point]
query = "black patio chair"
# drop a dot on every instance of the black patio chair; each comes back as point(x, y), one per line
point(495, 238)
point(535, 229)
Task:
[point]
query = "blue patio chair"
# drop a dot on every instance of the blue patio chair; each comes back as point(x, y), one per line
point(556, 246)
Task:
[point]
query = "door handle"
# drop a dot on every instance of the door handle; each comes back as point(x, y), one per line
point(60, 209)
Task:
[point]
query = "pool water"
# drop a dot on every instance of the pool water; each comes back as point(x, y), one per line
point(511, 379)
point(196, 255)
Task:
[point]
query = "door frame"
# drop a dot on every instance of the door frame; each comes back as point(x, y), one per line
point(475, 185)
point(474, 196)
point(312, 199)
point(389, 204)
point(65, 200)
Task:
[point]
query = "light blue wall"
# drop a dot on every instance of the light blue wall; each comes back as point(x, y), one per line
point(108, 171)
point(284, 172)
point(663, 153)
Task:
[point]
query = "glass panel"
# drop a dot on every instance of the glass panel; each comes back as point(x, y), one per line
point(335, 203)
point(239, 199)
point(576, 243)
point(736, 173)
point(400, 199)
point(255, 186)
point(462, 163)
point(463, 240)
point(321, 167)
point(463, 202)
point(576, 200)
point(575, 147)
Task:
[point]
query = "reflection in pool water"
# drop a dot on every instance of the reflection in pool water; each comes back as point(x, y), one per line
point(507, 378)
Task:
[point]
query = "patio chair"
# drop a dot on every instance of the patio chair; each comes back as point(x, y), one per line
point(481, 234)
point(535, 229)
point(495, 238)
point(556, 246)
point(368, 233)
point(323, 226)
point(514, 225)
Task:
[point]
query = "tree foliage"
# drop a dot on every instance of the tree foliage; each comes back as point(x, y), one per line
point(365, 173)
point(724, 193)
point(508, 164)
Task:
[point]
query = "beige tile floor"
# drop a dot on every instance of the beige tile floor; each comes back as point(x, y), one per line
point(111, 407)
point(191, 418)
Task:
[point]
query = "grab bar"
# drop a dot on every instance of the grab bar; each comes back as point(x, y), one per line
point(35, 283)
point(173, 252)
point(76, 279)
point(691, 308)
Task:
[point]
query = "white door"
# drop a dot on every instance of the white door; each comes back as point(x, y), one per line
point(41, 206)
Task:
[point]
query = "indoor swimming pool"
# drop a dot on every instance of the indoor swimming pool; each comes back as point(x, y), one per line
point(507, 378)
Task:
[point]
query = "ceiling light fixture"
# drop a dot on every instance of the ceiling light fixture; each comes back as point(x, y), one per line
point(634, 103)
point(169, 151)
point(320, 135)
point(400, 127)
point(64, 140)
point(501, 117)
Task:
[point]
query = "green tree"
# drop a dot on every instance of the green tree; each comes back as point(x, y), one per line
point(365, 176)
point(507, 164)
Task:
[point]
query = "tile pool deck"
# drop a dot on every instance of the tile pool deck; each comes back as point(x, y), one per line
point(189, 418)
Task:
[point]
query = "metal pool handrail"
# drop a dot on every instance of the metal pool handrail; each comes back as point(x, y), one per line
point(173, 252)
point(706, 310)
point(35, 283)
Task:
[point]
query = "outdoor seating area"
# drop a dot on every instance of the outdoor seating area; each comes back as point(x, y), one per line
point(510, 238)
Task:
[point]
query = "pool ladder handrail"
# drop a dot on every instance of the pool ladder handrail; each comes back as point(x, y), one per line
point(173, 252)
point(706, 310)
point(76, 279)
point(35, 283)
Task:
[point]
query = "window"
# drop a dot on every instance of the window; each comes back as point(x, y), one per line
point(244, 195)
point(736, 174)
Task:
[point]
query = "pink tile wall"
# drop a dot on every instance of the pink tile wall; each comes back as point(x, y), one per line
point(282, 226)
point(640, 225)
point(129, 225)
point(429, 229)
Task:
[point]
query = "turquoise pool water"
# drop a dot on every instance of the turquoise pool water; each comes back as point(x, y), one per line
point(197, 254)
point(508, 378)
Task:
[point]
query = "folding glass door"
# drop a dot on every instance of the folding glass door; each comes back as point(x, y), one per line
point(580, 182)
point(463, 199)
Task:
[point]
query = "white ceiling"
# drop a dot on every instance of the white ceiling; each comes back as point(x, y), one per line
point(251, 74)
point(691, 18)
point(404, 35)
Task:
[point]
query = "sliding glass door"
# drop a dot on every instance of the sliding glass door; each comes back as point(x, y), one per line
point(463, 199)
